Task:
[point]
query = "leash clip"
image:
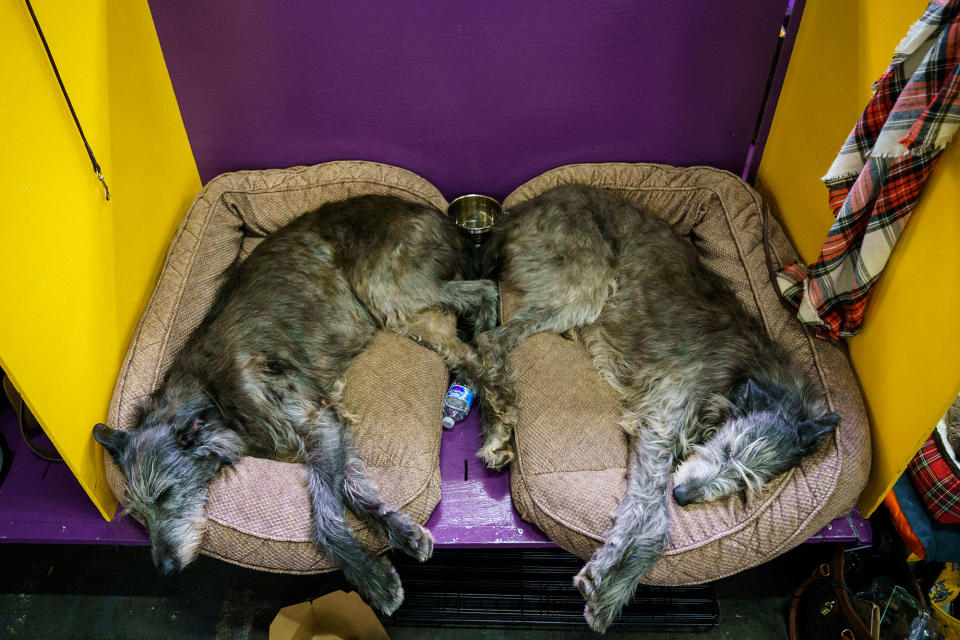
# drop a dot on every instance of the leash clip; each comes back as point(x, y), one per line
point(106, 189)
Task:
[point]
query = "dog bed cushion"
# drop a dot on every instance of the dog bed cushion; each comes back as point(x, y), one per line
point(571, 457)
point(258, 513)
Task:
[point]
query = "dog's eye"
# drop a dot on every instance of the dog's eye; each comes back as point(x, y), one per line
point(164, 496)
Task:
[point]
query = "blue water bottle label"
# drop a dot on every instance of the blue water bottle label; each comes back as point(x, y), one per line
point(464, 393)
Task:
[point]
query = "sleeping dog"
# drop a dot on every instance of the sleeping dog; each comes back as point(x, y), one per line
point(706, 395)
point(262, 375)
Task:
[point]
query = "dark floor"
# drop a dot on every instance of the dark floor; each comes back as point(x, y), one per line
point(83, 592)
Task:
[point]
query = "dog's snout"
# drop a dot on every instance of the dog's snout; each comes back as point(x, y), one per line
point(683, 494)
point(168, 566)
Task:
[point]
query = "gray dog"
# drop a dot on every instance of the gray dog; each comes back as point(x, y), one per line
point(701, 383)
point(263, 373)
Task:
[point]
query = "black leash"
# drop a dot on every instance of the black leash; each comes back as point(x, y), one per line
point(93, 159)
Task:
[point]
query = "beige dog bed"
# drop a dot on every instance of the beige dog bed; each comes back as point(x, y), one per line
point(259, 512)
point(571, 457)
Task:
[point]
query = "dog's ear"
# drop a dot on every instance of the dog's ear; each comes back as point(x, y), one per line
point(752, 391)
point(113, 440)
point(831, 420)
point(751, 396)
point(188, 434)
point(208, 441)
point(812, 431)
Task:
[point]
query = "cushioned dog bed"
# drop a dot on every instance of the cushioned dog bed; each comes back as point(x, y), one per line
point(571, 457)
point(259, 512)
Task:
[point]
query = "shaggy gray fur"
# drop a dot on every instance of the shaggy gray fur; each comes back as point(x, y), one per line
point(262, 375)
point(699, 379)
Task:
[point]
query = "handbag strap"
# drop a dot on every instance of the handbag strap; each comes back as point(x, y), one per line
point(821, 572)
point(46, 455)
point(843, 598)
point(857, 629)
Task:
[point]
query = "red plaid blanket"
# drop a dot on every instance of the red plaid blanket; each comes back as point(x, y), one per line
point(936, 480)
point(876, 179)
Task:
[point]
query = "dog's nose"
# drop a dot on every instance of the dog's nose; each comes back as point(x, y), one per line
point(682, 494)
point(168, 566)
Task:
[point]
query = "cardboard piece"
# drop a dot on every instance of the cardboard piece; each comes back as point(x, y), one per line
point(335, 616)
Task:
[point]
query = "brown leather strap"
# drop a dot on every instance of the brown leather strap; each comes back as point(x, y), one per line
point(823, 571)
point(860, 629)
point(857, 630)
point(29, 426)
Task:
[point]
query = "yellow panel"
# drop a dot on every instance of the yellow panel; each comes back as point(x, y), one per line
point(78, 271)
point(907, 355)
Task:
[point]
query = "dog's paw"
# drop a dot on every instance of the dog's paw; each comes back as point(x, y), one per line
point(584, 581)
point(484, 341)
point(420, 545)
point(597, 615)
point(602, 602)
point(384, 592)
point(408, 536)
point(496, 457)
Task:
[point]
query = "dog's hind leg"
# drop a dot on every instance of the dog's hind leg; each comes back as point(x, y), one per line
point(495, 347)
point(360, 494)
point(433, 330)
point(374, 576)
point(639, 533)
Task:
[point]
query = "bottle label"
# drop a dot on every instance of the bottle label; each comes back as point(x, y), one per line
point(464, 393)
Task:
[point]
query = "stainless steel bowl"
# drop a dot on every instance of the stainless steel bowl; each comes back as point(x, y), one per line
point(475, 214)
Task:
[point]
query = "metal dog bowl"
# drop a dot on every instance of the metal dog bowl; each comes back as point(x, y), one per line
point(475, 215)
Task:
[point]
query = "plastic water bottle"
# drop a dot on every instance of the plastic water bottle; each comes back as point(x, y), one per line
point(456, 405)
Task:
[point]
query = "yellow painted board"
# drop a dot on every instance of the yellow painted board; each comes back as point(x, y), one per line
point(77, 271)
point(907, 357)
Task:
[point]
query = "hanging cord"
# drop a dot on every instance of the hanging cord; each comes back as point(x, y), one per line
point(56, 72)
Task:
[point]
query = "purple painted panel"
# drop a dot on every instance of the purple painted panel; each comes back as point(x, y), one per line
point(794, 15)
point(474, 96)
point(43, 502)
point(476, 508)
point(850, 528)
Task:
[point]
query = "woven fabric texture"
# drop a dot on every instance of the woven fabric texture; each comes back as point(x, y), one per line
point(570, 470)
point(259, 512)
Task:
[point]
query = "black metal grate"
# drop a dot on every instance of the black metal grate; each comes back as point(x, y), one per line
point(532, 589)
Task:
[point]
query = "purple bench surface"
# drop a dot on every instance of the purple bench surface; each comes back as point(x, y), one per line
point(476, 508)
point(43, 503)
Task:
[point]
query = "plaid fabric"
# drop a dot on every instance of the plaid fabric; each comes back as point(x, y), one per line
point(936, 482)
point(876, 179)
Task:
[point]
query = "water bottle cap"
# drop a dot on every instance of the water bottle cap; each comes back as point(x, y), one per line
point(448, 422)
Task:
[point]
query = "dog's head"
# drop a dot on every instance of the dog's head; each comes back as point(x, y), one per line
point(168, 466)
point(769, 431)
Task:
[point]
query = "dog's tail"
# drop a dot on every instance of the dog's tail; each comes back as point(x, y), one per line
point(475, 300)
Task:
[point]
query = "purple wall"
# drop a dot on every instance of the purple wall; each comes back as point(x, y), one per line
point(474, 96)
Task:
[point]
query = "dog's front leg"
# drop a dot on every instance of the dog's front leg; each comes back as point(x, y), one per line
point(361, 496)
point(639, 533)
point(374, 576)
